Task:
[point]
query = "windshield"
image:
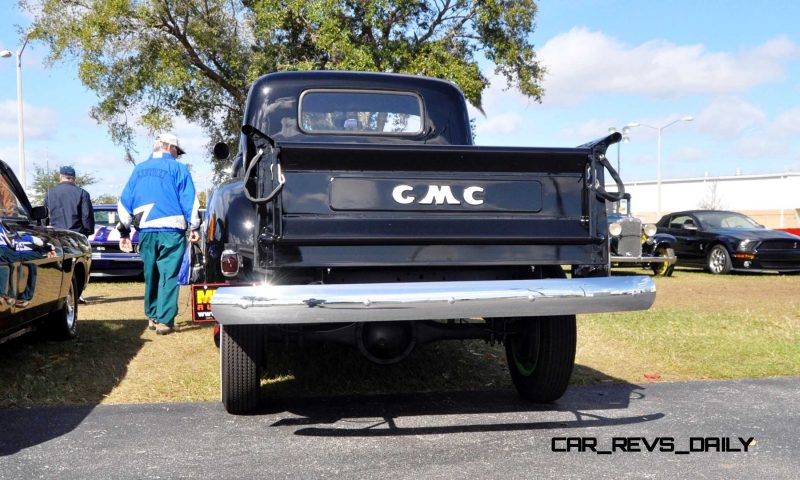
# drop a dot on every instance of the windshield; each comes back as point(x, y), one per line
point(105, 218)
point(726, 220)
point(356, 112)
point(621, 207)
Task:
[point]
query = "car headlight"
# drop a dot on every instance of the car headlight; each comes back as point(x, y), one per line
point(615, 229)
point(745, 245)
point(650, 229)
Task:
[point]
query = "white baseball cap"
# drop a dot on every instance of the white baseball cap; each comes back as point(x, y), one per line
point(171, 139)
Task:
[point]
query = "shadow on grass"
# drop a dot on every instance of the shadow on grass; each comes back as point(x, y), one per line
point(326, 385)
point(102, 299)
point(82, 371)
point(118, 279)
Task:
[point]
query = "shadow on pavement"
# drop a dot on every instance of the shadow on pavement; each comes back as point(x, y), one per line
point(317, 411)
point(82, 371)
point(379, 415)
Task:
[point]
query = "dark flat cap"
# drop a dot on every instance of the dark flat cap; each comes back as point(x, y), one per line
point(67, 171)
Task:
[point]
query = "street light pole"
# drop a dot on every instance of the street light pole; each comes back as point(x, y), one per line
point(20, 121)
point(625, 139)
point(659, 130)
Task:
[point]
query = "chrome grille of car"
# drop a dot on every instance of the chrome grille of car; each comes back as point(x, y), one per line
point(630, 240)
point(779, 245)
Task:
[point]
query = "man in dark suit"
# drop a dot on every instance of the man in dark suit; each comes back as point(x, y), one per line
point(70, 206)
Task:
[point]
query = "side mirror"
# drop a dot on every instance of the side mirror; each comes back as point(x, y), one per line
point(221, 151)
point(690, 226)
point(39, 213)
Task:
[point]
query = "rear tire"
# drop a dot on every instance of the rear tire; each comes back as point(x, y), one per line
point(663, 269)
point(241, 354)
point(63, 323)
point(541, 356)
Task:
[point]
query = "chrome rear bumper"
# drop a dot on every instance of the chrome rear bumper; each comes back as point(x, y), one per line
point(371, 302)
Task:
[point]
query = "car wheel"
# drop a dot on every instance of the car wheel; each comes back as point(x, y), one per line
point(663, 269)
point(540, 355)
point(719, 260)
point(241, 353)
point(63, 323)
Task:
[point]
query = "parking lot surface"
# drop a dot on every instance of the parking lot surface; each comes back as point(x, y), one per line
point(436, 435)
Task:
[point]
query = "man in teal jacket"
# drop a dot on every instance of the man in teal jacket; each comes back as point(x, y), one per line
point(159, 200)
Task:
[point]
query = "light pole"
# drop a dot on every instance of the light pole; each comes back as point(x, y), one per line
point(625, 139)
point(686, 118)
point(20, 123)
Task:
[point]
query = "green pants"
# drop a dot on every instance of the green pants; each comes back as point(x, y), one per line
point(162, 253)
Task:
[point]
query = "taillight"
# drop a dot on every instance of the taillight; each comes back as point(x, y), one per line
point(229, 263)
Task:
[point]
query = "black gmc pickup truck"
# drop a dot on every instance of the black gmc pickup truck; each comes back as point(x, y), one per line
point(361, 213)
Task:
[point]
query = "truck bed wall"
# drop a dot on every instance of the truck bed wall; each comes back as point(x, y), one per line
point(337, 206)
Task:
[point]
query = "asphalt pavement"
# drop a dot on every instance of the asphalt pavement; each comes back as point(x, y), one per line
point(704, 429)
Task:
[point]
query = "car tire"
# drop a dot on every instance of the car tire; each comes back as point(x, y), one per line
point(663, 269)
point(63, 323)
point(719, 260)
point(241, 354)
point(541, 355)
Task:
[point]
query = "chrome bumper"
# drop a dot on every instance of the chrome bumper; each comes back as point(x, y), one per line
point(371, 302)
point(669, 260)
point(117, 257)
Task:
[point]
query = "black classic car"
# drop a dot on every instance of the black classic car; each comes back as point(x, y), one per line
point(722, 241)
point(361, 213)
point(634, 244)
point(43, 270)
point(107, 258)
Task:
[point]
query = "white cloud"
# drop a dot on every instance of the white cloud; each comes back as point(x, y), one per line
point(193, 139)
point(9, 155)
point(690, 155)
point(581, 63)
point(729, 118)
point(591, 129)
point(788, 123)
point(38, 122)
point(761, 147)
point(498, 94)
point(500, 124)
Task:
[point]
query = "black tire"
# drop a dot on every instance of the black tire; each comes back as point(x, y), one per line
point(663, 269)
point(63, 323)
point(241, 354)
point(718, 261)
point(541, 355)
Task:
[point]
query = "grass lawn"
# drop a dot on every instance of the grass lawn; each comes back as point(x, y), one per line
point(701, 327)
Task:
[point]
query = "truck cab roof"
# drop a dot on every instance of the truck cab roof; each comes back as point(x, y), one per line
point(303, 106)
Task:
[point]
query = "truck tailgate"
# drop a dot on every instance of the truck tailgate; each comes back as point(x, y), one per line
point(397, 194)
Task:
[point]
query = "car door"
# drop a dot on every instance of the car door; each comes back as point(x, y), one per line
point(688, 244)
point(34, 254)
point(9, 263)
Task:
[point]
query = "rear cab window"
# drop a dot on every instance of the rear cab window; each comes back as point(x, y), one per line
point(360, 112)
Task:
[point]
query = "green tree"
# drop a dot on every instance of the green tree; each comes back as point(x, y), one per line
point(151, 60)
point(106, 199)
point(44, 180)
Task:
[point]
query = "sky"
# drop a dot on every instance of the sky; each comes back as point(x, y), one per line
point(733, 66)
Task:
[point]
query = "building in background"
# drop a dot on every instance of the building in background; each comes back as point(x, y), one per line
point(771, 199)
